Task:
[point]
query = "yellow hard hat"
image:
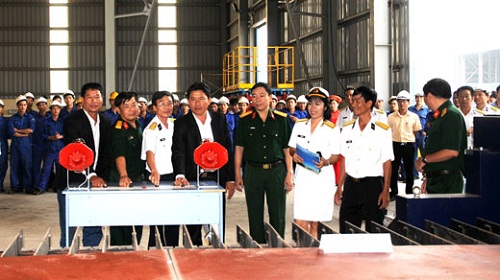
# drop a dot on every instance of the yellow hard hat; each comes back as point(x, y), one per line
point(113, 95)
point(79, 100)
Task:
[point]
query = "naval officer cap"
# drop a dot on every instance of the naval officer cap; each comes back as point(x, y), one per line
point(319, 92)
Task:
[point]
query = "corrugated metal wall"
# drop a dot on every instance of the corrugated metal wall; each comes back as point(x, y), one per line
point(86, 43)
point(355, 42)
point(24, 40)
point(201, 31)
point(24, 53)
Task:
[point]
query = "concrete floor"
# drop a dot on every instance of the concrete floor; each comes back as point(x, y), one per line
point(37, 213)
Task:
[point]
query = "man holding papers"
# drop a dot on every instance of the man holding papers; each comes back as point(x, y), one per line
point(314, 144)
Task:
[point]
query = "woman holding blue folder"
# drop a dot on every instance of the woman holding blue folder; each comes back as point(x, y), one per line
point(314, 185)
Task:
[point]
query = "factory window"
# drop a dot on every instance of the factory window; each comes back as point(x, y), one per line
point(59, 38)
point(167, 45)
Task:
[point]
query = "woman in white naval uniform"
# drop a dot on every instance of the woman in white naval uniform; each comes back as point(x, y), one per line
point(314, 192)
point(157, 151)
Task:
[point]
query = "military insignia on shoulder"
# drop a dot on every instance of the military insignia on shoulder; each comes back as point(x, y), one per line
point(329, 124)
point(480, 111)
point(153, 126)
point(172, 119)
point(380, 111)
point(119, 124)
point(245, 114)
point(349, 122)
point(444, 112)
point(303, 120)
point(279, 113)
point(494, 108)
point(382, 125)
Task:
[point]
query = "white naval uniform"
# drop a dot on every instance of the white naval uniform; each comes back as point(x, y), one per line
point(366, 151)
point(314, 192)
point(158, 139)
point(346, 115)
point(469, 123)
point(488, 110)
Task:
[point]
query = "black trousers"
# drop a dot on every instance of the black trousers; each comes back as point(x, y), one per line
point(406, 152)
point(360, 202)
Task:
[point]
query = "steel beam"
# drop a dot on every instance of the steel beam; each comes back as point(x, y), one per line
point(449, 234)
point(353, 229)
point(396, 238)
point(186, 238)
point(303, 238)
point(416, 234)
point(488, 225)
point(44, 247)
point(15, 247)
point(274, 240)
point(475, 232)
point(244, 239)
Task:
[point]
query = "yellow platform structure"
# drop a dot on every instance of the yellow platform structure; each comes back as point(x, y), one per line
point(240, 69)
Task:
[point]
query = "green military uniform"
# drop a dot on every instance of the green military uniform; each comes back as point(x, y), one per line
point(447, 131)
point(126, 141)
point(265, 168)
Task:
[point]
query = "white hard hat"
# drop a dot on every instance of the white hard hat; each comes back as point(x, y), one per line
point(28, 95)
point(56, 103)
point(214, 100)
point(302, 99)
point(69, 92)
point(21, 98)
point(40, 99)
point(403, 95)
point(224, 100)
point(176, 98)
point(184, 101)
point(1, 103)
point(142, 99)
point(243, 99)
point(291, 96)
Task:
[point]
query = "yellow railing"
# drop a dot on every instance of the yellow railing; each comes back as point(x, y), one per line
point(240, 68)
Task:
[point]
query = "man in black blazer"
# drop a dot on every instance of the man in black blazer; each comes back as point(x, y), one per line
point(83, 125)
point(189, 132)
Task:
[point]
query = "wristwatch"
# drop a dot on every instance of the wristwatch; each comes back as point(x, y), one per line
point(423, 160)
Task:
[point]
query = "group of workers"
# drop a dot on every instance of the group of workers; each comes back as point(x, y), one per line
point(264, 144)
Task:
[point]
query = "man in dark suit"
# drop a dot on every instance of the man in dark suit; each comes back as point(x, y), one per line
point(190, 131)
point(91, 127)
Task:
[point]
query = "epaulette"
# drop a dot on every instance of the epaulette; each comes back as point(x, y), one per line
point(444, 112)
point(380, 111)
point(172, 119)
point(153, 126)
point(480, 111)
point(349, 122)
point(329, 124)
point(382, 125)
point(279, 113)
point(302, 120)
point(245, 114)
point(494, 108)
point(118, 124)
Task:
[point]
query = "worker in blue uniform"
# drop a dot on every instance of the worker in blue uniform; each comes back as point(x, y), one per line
point(52, 133)
point(21, 126)
point(4, 148)
point(69, 99)
point(112, 112)
point(38, 144)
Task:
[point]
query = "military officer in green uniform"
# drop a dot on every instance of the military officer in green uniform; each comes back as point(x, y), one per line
point(261, 140)
point(443, 158)
point(126, 166)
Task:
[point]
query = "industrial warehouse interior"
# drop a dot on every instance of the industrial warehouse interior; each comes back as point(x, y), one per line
point(304, 51)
